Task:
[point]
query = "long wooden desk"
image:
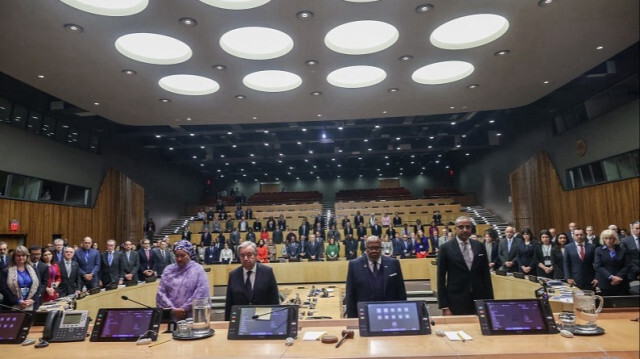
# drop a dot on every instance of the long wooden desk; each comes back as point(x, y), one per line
point(621, 340)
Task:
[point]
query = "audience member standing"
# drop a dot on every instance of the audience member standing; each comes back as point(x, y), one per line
point(463, 272)
point(164, 257)
point(112, 265)
point(132, 262)
point(578, 261)
point(70, 281)
point(88, 260)
point(508, 250)
point(526, 250)
point(612, 263)
point(147, 261)
point(632, 243)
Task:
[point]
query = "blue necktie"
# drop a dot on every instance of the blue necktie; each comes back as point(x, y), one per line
point(110, 258)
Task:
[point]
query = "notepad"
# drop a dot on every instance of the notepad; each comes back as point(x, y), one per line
point(311, 336)
point(458, 335)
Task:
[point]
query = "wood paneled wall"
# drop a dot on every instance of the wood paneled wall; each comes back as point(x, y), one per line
point(269, 187)
point(539, 200)
point(118, 214)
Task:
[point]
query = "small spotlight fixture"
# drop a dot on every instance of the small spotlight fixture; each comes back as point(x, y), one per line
point(424, 8)
point(311, 62)
point(73, 27)
point(304, 15)
point(316, 93)
point(164, 100)
point(129, 72)
point(599, 47)
point(545, 2)
point(393, 90)
point(219, 67)
point(502, 53)
point(473, 86)
point(187, 21)
point(240, 97)
point(405, 57)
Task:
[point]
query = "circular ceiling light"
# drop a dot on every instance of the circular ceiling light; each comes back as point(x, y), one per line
point(356, 76)
point(272, 81)
point(256, 43)
point(190, 85)
point(442, 72)
point(109, 7)
point(469, 31)
point(235, 4)
point(153, 48)
point(361, 37)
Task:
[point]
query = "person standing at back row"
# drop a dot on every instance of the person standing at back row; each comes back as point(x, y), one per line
point(463, 272)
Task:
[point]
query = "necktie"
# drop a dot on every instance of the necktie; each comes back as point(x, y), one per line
point(68, 265)
point(86, 256)
point(110, 258)
point(375, 268)
point(2, 262)
point(247, 285)
point(581, 252)
point(147, 253)
point(467, 254)
point(489, 252)
point(508, 245)
point(163, 255)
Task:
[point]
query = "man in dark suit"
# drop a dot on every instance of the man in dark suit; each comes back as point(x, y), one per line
point(357, 219)
point(88, 260)
point(277, 236)
point(35, 252)
point(405, 247)
point(491, 246)
point(508, 250)
point(132, 262)
point(58, 250)
point(314, 248)
point(303, 230)
point(4, 258)
point(632, 244)
point(205, 238)
point(373, 278)
point(578, 261)
point(147, 260)
point(164, 257)
point(463, 272)
point(112, 264)
point(361, 231)
point(70, 282)
point(350, 247)
point(252, 283)
point(376, 229)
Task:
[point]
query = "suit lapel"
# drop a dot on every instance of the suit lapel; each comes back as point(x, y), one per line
point(458, 253)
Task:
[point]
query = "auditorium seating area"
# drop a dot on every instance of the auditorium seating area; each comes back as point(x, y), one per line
point(394, 193)
point(278, 198)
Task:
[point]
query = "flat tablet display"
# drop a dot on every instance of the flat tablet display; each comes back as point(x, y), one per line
point(263, 322)
point(515, 316)
point(126, 324)
point(14, 326)
point(393, 318)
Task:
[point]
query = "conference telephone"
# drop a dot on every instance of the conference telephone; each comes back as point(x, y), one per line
point(66, 326)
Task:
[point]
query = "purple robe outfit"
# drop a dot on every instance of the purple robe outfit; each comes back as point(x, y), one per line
point(179, 286)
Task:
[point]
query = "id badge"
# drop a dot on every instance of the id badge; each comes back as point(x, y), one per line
point(25, 292)
point(547, 262)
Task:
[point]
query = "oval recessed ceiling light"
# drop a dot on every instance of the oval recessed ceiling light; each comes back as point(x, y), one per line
point(469, 31)
point(235, 4)
point(256, 43)
point(304, 15)
point(73, 27)
point(356, 76)
point(272, 81)
point(153, 48)
point(361, 37)
point(129, 72)
point(109, 7)
point(424, 8)
point(187, 21)
point(190, 85)
point(442, 72)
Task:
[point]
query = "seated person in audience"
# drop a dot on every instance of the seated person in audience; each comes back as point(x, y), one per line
point(612, 264)
point(421, 247)
point(333, 232)
point(315, 248)
point(257, 225)
point(418, 226)
point(357, 219)
point(397, 220)
point(251, 236)
point(239, 212)
point(437, 217)
point(212, 253)
point(386, 220)
point(226, 255)
point(387, 246)
point(345, 221)
point(264, 235)
point(544, 256)
point(182, 282)
point(263, 251)
point(252, 283)
point(210, 213)
point(282, 223)
point(293, 249)
point(405, 247)
point(271, 224)
point(350, 247)
point(491, 246)
point(332, 252)
point(361, 231)
point(186, 234)
point(526, 248)
point(248, 213)
point(578, 262)
point(592, 238)
point(243, 225)
point(217, 228)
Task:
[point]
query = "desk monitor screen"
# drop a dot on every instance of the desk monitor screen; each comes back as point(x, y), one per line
point(515, 316)
point(126, 324)
point(393, 318)
point(263, 322)
point(14, 326)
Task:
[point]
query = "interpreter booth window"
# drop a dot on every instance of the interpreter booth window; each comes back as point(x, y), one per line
point(4, 178)
point(77, 195)
point(19, 116)
point(5, 110)
point(53, 191)
point(16, 186)
point(32, 189)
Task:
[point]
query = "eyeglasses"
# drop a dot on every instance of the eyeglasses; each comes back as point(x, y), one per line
point(463, 227)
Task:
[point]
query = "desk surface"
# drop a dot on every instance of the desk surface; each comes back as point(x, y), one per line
point(621, 340)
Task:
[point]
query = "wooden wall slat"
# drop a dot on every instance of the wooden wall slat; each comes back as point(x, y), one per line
point(118, 213)
point(539, 201)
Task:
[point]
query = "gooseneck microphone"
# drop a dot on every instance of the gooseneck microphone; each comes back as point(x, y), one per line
point(269, 312)
point(14, 308)
point(124, 297)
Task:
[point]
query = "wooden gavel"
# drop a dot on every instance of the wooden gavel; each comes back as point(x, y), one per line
point(346, 334)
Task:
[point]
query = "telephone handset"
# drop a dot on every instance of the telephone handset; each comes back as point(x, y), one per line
point(66, 326)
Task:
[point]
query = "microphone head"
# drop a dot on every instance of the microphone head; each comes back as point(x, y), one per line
point(255, 316)
point(125, 297)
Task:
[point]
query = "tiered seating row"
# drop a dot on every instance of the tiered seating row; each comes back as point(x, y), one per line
point(284, 197)
point(382, 205)
point(374, 193)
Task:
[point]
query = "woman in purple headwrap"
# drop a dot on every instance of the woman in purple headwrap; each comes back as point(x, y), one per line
point(182, 282)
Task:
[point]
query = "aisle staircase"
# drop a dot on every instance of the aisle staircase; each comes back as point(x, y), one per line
point(481, 215)
point(174, 227)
